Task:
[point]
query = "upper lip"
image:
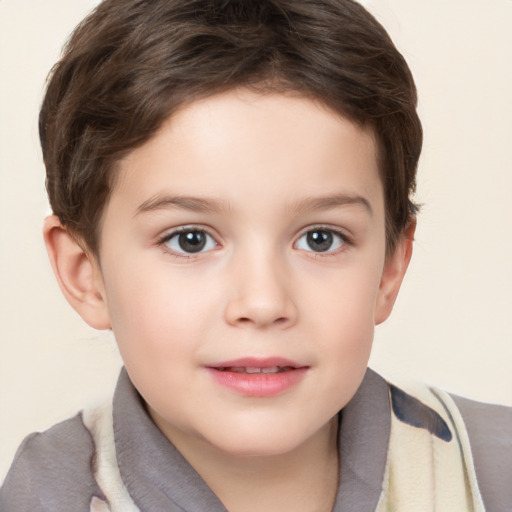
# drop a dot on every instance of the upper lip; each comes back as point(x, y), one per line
point(257, 362)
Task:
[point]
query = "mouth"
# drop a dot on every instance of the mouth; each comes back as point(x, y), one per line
point(256, 377)
point(254, 370)
point(255, 365)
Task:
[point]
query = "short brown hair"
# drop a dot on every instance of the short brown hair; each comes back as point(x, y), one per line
point(131, 63)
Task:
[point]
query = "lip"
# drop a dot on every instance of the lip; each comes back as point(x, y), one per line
point(262, 379)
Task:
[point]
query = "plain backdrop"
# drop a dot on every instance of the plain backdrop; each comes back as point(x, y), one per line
point(452, 324)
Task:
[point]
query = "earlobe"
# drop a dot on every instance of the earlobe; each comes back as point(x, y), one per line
point(394, 271)
point(77, 273)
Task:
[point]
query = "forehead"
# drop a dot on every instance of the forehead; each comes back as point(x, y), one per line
point(243, 144)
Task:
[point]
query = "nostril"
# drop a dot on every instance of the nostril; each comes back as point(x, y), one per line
point(253, 310)
point(246, 320)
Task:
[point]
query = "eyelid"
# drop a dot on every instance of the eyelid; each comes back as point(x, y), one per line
point(164, 239)
point(345, 238)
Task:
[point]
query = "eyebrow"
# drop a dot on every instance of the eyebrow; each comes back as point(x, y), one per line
point(334, 201)
point(196, 204)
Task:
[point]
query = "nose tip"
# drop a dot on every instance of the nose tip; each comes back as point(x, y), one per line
point(261, 302)
point(258, 315)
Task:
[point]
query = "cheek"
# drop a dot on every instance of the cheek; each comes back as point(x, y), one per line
point(154, 314)
point(341, 310)
point(346, 297)
point(344, 332)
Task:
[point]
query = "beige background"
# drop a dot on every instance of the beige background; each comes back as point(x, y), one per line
point(452, 325)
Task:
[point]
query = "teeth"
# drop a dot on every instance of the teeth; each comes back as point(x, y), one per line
point(272, 369)
point(253, 370)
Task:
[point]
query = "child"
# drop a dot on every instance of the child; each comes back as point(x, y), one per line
point(231, 185)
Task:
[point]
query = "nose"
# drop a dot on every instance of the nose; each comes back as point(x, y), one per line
point(261, 295)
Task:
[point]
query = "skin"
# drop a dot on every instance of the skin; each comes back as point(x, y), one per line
point(268, 170)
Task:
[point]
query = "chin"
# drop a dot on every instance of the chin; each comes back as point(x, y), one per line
point(259, 448)
point(263, 442)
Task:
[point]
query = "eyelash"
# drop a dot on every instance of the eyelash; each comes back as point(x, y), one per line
point(163, 241)
point(345, 240)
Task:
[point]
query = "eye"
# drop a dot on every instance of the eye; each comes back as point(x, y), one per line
point(321, 240)
point(189, 241)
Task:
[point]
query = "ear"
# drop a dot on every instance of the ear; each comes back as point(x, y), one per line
point(395, 267)
point(78, 274)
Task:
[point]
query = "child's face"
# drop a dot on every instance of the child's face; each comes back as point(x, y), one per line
point(248, 234)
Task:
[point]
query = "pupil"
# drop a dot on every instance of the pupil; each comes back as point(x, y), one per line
point(320, 241)
point(192, 241)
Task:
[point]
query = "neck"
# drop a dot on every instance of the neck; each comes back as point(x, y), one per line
point(303, 480)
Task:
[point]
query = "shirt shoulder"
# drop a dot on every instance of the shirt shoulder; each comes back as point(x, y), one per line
point(52, 471)
point(489, 428)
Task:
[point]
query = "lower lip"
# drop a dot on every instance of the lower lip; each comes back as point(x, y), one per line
point(258, 384)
